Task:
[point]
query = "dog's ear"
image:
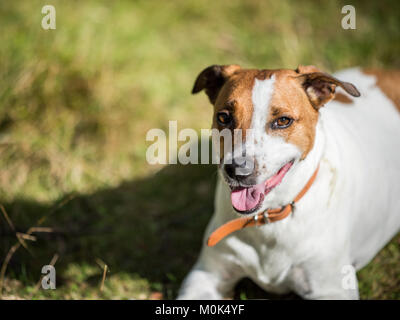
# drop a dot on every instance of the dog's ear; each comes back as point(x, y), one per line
point(212, 79)
point(320, 87)
point(307, 69)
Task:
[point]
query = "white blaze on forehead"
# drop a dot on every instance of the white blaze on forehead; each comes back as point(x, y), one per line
point(261, 97)
point(271, 152)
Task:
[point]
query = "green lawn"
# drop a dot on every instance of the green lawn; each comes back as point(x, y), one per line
point(75, 106)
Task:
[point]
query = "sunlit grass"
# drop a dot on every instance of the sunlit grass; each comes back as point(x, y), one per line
point(76, 103)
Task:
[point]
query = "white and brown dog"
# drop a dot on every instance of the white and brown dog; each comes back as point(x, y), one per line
point(323, 196)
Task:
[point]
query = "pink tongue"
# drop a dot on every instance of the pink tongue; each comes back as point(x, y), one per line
point(246, 199)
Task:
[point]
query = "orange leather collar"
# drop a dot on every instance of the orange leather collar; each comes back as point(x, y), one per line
point(268, 216)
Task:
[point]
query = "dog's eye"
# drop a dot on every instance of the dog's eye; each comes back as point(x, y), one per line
point(282, 123)
point(224, 118)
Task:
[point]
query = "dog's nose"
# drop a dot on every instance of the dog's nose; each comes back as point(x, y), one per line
point(239, 170)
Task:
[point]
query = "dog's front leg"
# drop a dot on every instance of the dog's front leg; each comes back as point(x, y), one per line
point(212, 277)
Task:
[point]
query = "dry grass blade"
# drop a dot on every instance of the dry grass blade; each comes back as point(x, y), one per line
point(105, 268)
point(103, 278)
point(61, 204)
point(12, 250)
point(26, 236)
point(10, 223)
point(54, 260)
point(7, 217)
point(22, 241)
point(39, 229)
point(5, 263)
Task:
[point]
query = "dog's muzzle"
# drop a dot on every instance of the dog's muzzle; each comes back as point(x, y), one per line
point(241, 170)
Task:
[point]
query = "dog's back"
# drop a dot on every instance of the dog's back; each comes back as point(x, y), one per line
point(366, 134)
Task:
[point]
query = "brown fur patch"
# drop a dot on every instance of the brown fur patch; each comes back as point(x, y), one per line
point(307, 69)
point(290, 100)
point(342, 98)
point(235, 96)
point(389, 82)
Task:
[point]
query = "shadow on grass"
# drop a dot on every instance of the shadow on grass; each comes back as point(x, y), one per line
point(150, 227)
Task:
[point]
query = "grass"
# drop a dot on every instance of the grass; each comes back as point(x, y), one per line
point(76, 103)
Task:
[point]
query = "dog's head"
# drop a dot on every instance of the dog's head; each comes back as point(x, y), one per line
point(274, 113)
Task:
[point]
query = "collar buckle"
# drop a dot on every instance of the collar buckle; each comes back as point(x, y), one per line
point(256, 220)
point(265, 215)
point(263, 221)
point(292, 205)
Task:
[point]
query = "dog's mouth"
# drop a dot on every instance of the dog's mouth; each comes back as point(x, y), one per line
point(246, 200)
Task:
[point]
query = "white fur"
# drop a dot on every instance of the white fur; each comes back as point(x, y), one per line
point(269, 151)
point(261, 97)
point(350, 212)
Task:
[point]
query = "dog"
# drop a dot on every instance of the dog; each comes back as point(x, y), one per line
point(322, 196)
